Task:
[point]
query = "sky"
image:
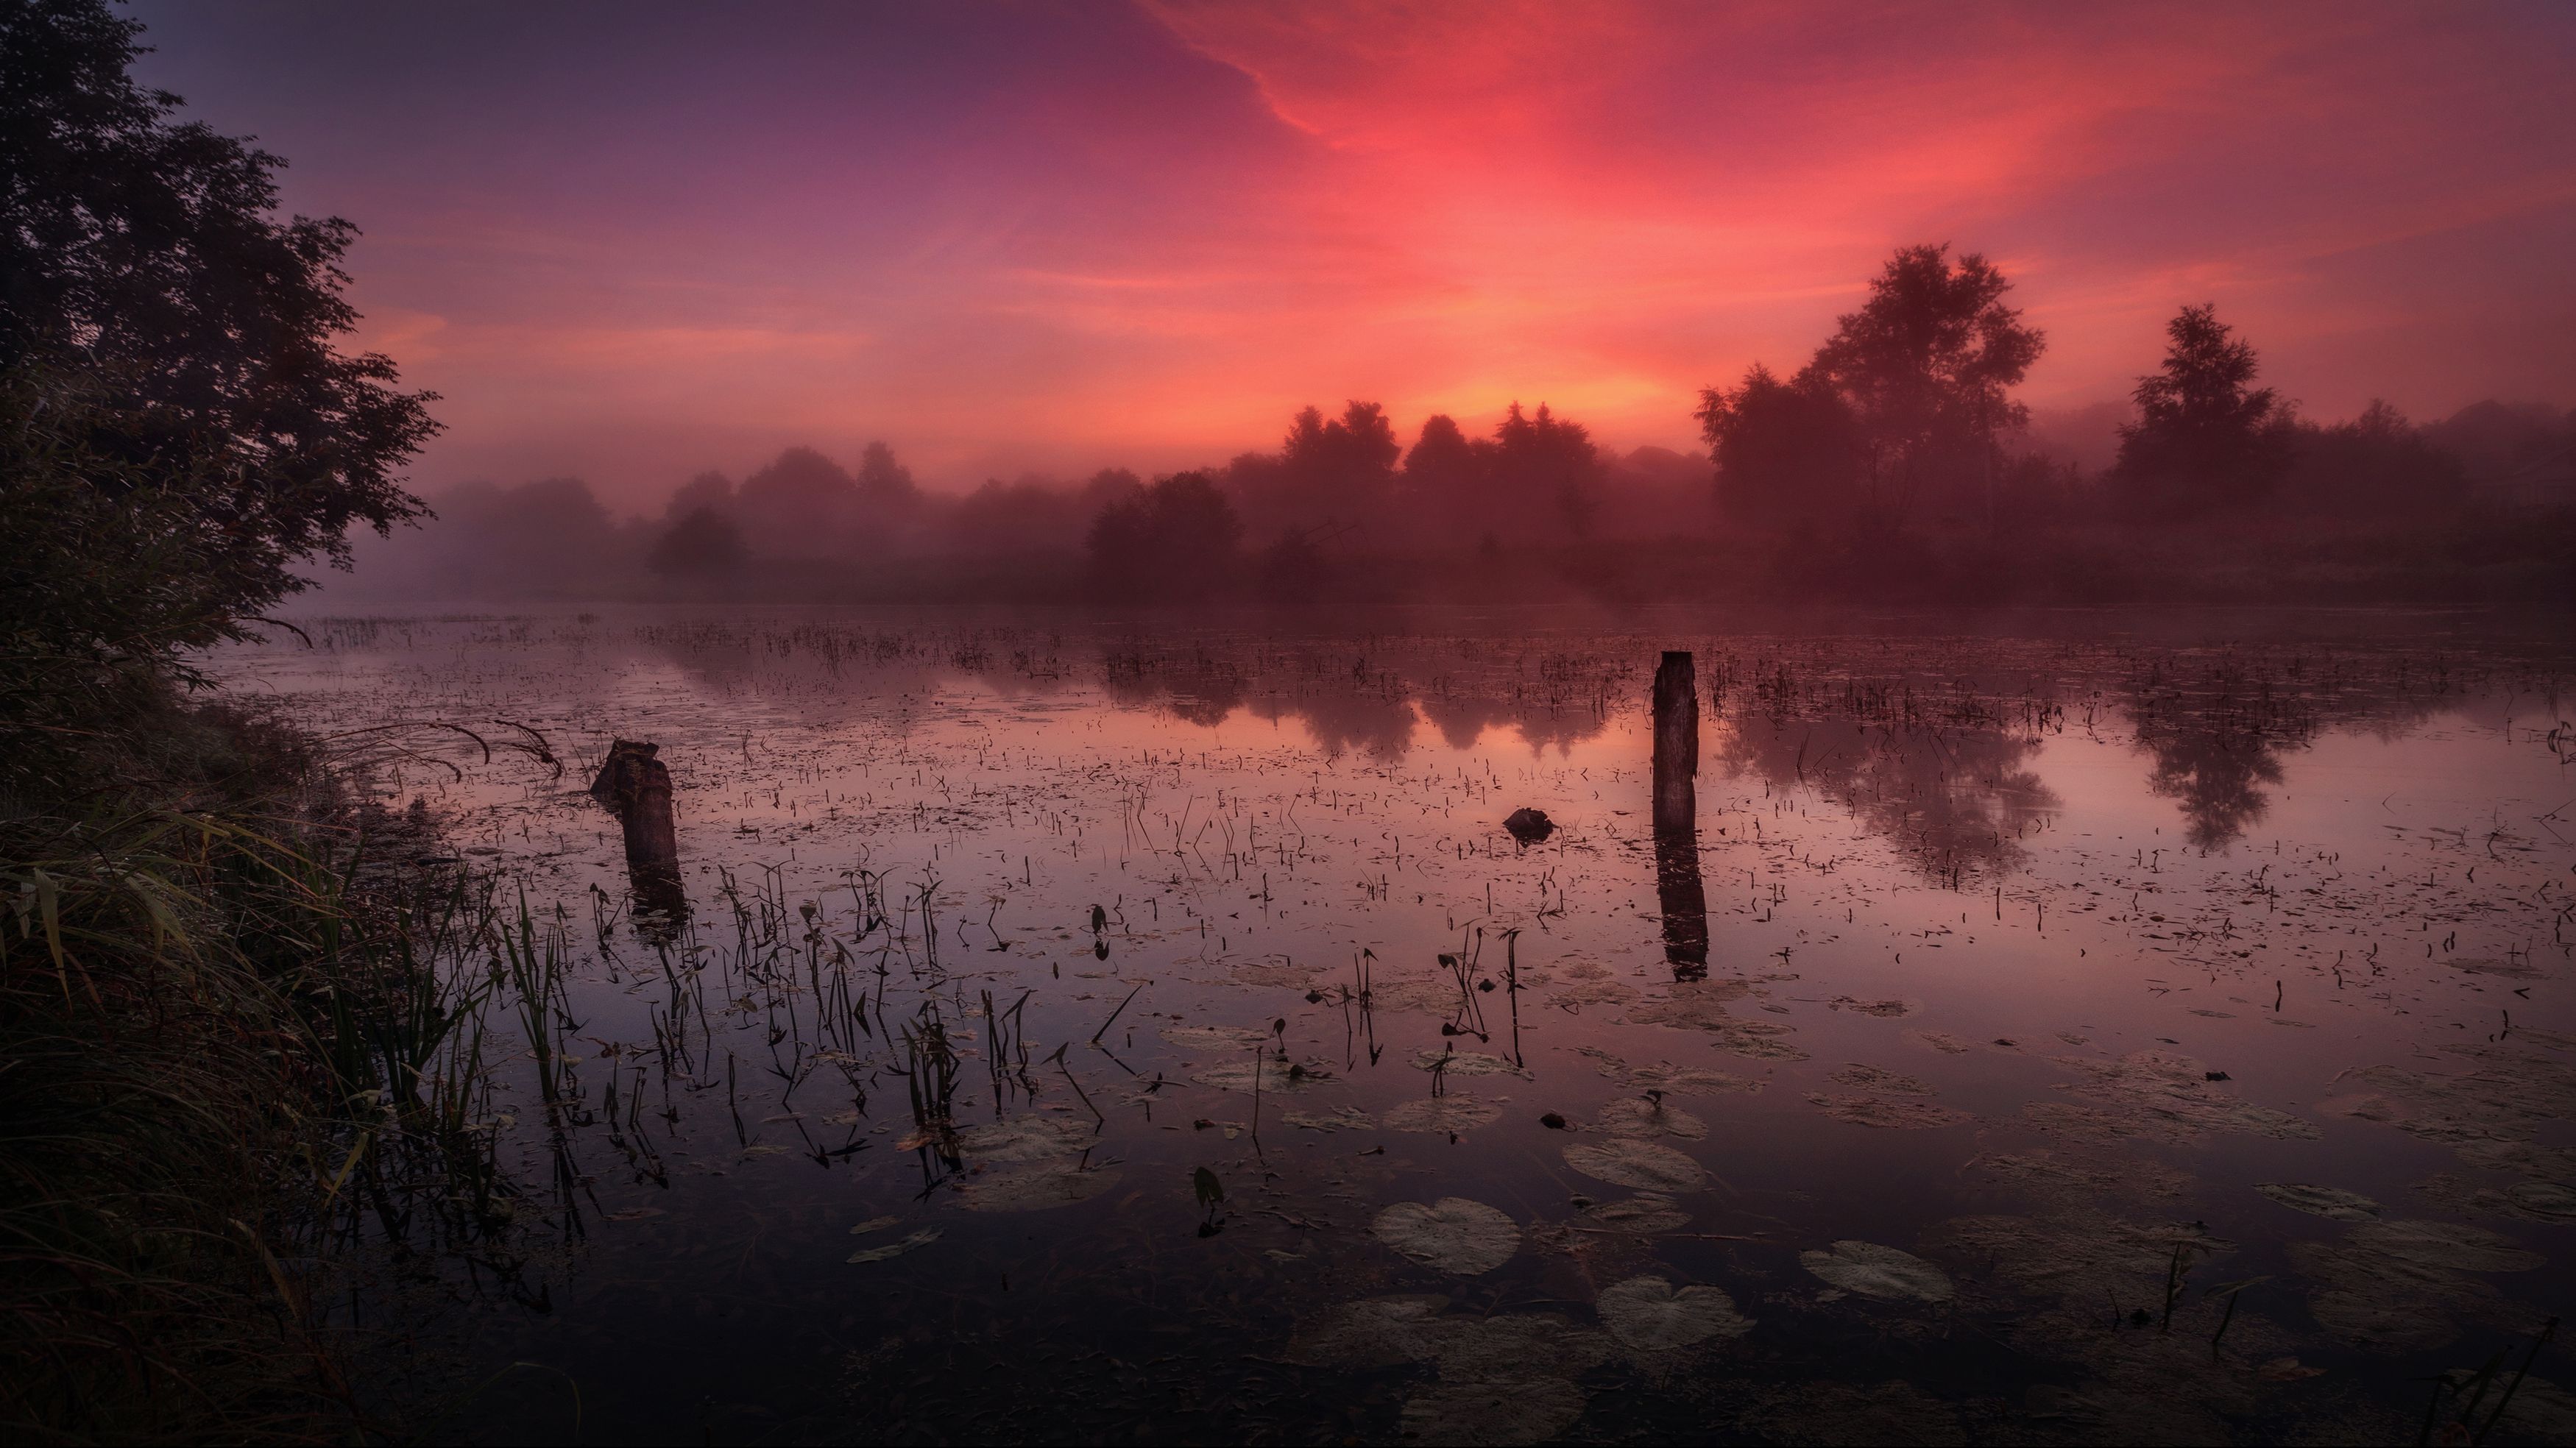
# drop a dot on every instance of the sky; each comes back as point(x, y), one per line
point(630, 242)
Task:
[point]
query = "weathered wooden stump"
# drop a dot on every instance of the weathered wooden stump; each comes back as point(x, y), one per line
point(636, 787)
point(1676, 743)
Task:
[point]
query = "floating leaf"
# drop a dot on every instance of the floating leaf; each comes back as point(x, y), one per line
point(1453, 1112)
point(1034, 1188)
point(1649, 1313)
point(1023, 1138)
point(2333, 1202)
point(1886, 1113)
point(1642, 1215)
point(1277, 1076)
point(1651, 1118)
point(1452, 1234)
point(1882, 1272)
point(1466, 1063)
point(1214, 1038)
point(1629, 1162)
point(2446, 1245)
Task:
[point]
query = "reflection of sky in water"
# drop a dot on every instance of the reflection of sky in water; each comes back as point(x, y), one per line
point(1995, 904)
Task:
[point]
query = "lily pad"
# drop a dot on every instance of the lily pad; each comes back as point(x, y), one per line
point(1034, 1188)
point(1375, 1332)
point(1505, 1379)
point(1651, 1314)
point(1276, 1075)
point(1651, 1118)
point(1023, 1138)
point(1453, 1112)
point(1452, 1234)
point(1466, 1063)
point(1340, 1118)
point(1642, 1215)
point(1886, 1112)
point(1629, 1162)
point(1871, 1270)
point(2446, 1245)
point(1666, 1077)
point(1879, 1080)
point(1215, 1038)
point(2333, 1202)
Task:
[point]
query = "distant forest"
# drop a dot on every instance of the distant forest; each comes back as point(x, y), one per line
point(1894, 465)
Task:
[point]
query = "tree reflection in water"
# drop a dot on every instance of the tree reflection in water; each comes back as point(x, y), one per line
point(1955, 798)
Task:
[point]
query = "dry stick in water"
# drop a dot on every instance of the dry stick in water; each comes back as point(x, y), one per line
point(1113, 1015)
point(2547, 1331)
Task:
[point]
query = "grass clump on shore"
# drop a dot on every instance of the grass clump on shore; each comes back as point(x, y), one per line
point(201, 1020)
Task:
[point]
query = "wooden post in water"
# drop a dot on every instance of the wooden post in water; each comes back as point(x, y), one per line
point(636, 787)
point(1676, 743)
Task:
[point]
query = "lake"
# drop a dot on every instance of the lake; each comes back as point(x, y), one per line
point(1085, 1029)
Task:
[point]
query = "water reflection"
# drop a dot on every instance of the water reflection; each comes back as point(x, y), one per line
point(1958, 801)
point(1683, 899)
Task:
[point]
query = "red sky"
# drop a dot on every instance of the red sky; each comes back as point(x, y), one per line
point(632, 242)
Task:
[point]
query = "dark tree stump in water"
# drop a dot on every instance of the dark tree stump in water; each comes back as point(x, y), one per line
point(1676, 743)
point(636, 787)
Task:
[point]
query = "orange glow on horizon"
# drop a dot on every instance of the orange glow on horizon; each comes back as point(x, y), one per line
point(1144, 238)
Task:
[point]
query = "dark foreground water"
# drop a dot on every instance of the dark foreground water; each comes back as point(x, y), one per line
point(1084, 1032)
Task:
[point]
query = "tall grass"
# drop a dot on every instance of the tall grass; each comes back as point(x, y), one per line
point(223, 1041)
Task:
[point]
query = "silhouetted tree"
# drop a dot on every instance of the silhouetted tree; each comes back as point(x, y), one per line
point(1441, 493)
point(144, 255)
point(2377, 465)
point(1337, 471)
point(2205, 437)
point(1925, 365)
point(804, 505)
point(701, 543)
point(1177, 540)
point(707, 490)
point(1546, 474)
point(1786, 453)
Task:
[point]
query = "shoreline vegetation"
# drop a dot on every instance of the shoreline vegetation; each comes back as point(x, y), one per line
point(222, 1033)
point(1894, 468)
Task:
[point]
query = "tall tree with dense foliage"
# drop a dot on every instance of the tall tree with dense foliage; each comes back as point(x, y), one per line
point(2206, 437)
point(142, 257)
point(1546, 474)
point(1177, 541)
point(1926, 366)
point(1787, 452)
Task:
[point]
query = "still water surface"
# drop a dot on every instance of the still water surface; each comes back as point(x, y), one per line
point(2045, 992)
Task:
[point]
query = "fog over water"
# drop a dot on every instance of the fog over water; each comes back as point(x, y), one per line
point(2010, 1000)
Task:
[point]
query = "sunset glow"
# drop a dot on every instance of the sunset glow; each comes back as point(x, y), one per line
point(629, 244)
